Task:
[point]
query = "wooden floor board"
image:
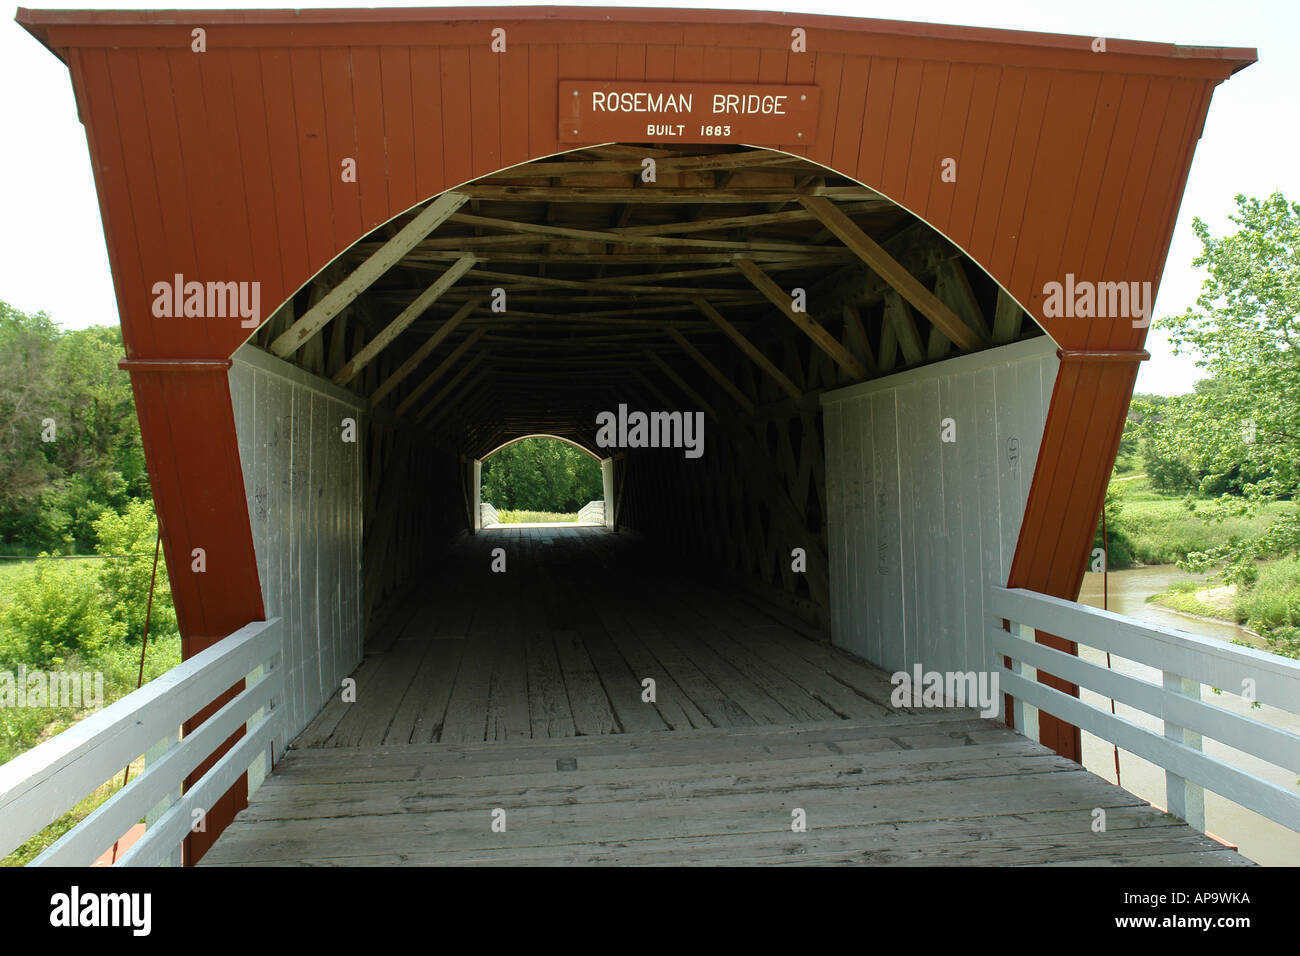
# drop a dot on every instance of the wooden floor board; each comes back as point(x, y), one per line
point(522, 691)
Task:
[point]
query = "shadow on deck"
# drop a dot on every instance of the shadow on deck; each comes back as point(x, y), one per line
point(522, 692)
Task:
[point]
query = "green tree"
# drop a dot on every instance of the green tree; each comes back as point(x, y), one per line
point(27, 375)
point(1239, 432)
point(541, 474)
point(70, 447)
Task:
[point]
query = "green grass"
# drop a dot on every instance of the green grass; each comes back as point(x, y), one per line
point(531, 517)
point(1181, 596)
point(1161, 530)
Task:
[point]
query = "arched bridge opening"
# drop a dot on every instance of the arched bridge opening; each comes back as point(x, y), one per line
point(696, 317)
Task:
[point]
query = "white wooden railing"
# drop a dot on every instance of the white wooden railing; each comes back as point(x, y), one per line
point(488, 515)
point(1186, 663)
point(593, 512)
point(39, 786)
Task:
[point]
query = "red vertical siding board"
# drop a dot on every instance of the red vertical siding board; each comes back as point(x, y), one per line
point(399, 141)
point(827, 76)
point(277, 87)
point(950, 136)
point(1014, 209)
point(208, 202)
point(226, 149)
point(1054, 180)
point(142, 87)
point(313, 151)
point(426, 107)
point(848, 120)
point(340, 144)
point(104, 133)
point(902, 125)
point(485, 108)
point(997, 164)
point(1063, 247)
point(456, 119)
point(514, 105)
point(659, 61)
point(1105, 214)
point(972, 163)
point(377, 205)
point(255, 157)
point(744, 65)
point(882, 75)
point(543, 110)
point(923, 163)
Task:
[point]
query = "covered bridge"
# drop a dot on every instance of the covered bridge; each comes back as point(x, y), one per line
point(902, 273)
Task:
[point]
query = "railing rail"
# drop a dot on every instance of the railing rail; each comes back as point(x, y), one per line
point(39, 786)
point(488, 515)
point(593, 512)
point(1186, 662)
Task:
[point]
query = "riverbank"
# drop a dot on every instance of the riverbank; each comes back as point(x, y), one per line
point(1269, 609)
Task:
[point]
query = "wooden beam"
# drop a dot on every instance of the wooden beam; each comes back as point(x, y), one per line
point(608, 195)
point(712, 370)
point(408, 315)
point(518, 280)
point(953, 289)
point(437, 373)
point(1007, 318)
point(653, 389)
point(632, 165)
point(446, 389)
point(810, 326)
point(906, 284)
point(473, 407)
point(677, 380)
point(750, 349)
point(855, 336)
point(750, 221)
point(429, 219)
point(424, 351)
point(606, 235)
point(899, 319)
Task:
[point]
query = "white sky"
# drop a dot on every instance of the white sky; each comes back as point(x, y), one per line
point(52, 253)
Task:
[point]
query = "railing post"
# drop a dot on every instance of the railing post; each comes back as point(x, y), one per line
point(152, 755)
point(1026, 713)
point(1186, 799)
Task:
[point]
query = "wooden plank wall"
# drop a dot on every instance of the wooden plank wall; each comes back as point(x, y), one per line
point(304, 492)
point(918, 529)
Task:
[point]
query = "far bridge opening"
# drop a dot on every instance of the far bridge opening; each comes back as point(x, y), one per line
point(541, 480)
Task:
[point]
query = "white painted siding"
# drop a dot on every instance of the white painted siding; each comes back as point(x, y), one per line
point(305, 501)
point(918, 529)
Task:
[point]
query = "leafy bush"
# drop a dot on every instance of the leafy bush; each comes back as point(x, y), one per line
point(55, 612)
point(1271, 605)
point(125, 580)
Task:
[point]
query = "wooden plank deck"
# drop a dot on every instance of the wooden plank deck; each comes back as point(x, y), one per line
point(522, 692)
